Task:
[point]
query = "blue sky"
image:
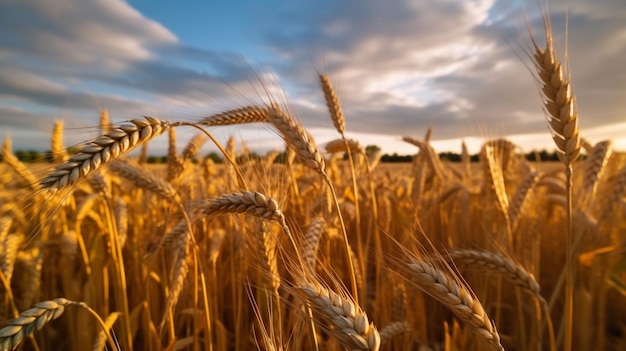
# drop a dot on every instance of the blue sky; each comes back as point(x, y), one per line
point(399, 67)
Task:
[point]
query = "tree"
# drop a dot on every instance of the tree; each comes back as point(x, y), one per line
point(371, 149)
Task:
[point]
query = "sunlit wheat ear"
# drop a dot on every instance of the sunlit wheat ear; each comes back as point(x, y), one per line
point(449, 290)
point(57, 149)
point(504, 266)
point(100, 183)
point(121, 220)
point(247, 202)
point(346, 321)
point(503, 150)
point(216, 244)
point(494, 179)
point(144, 179)
point(338, 145)
point(521, 197)
point(247, 114)
point(104, 149)
point(30, 321)
point(34, 319)
point(251, 203)
point(508, 269)
point(466, 161)
point(312, 240)
point(559, 100)
point(174, 162)
point(393, 329)
point(181, 249)
point(194, 145)
point(18, 166)
point(105, 122)
point(297, 138)
point(332, 102)
point(428, 136)
point(431, 156)
point(266, 243)
point(10, 244)
point(615, 198)
point(595, 165)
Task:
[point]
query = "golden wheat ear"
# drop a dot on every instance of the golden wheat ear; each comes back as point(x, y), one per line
point(242, 115)
point(332, 102)
point(34, 319)
point(345, 320)
point(103, 149)
point(453, 294)
point(559, 100)
point(297, 138)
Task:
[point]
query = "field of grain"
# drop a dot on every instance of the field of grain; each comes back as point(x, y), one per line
point(316, 252)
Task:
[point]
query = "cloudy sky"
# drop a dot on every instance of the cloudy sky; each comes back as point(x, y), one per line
point(401, 66)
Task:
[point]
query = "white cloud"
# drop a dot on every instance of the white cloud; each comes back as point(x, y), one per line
point(399, 67)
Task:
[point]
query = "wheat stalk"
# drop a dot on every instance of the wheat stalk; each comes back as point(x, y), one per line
point(562, 114)
point(99, 344)
point(104, 149)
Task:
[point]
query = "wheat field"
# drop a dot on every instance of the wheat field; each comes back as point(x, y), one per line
point(314, 251)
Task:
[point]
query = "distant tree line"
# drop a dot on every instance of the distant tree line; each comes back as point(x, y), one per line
point(30, 156)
